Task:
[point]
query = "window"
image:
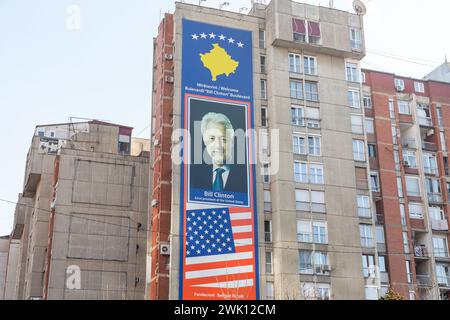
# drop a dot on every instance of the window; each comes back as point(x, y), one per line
point(367, 100)
point(353, 99)
point(270, 295)
point(433, 189)
point(320, 232)
point(399, 187)
point(310, 201)
point(124, 144)
point(368, 263)
point(394, 134)
point(408, 271)
point(382, 264)
point(403, 107)
point(364, 207)
point(297, 116)
point(359, 150)
point(440, 247)
point(305, 258)
point(365, 232)
point(299, 30)
point(443, 274)
point(355, 39)
point(397, 160)
point(316, 173)
point(372, 150)
point(380, 235)
point(405, 242)
point(296, 89)
point(266, 175)
point(374, 182)
point(415, 210)
point(443, 143)
point(429, 163)
point(269, 266)
point(391, 108)
point(262, 62)
point(316, 291)
point(311, 91)
point(402, 214)
point(313, 117)
point(371, 292)
point(370, 129)
point(294, 63)
point(264, 117)
point(268, 231)
point(412, 186)
point(409, 158)
point(320, 260)
point(267, 201)
point(306, 31)
point(299, 143)
point(363, 77)
point(263, 89)
point(262, 39)
point(314, 145)
point(419, 87)
point(436, 213)
point(352, 73)
point(399, 84)
point(300, 172)
point(424, 115)
point(304, 231)
point(357, 126)
point(439, 116)
point(310, 65)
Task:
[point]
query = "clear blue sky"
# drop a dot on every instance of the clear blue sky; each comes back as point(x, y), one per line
point(49, 73)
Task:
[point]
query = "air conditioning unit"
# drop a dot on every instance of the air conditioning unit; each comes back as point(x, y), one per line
point(155, 203)
point(168, 56)
point(169, 79)
point(164, 249)
point(326, 268)
point(406, 164)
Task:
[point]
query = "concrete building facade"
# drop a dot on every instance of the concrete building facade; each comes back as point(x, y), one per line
point(316, 223)
point(80, 226)
point(4, 248)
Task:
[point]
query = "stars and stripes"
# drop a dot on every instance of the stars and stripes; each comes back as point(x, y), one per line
point(222, 37)
point(219, 248)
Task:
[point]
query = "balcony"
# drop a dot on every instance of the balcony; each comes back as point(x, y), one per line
point(423, 280)
point(439, 225)
point(425, 121)
point(431, 170)
point(429, 146)
point(441, 254)
point(434, 198)
point(421, 252)
point(318, 269)
point(443, 281)
point(409, 144)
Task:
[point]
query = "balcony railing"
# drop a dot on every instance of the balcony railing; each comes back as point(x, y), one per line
point(439, 225)
point(321, 269)
point(443, 281)
point(430, 146)
point(424, 121)
point(420, 251)
point(423, 280)
point(434, 197)
point(409, 143)
point(431, 170)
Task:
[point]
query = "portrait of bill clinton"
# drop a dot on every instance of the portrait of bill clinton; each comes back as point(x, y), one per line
point(219, 170)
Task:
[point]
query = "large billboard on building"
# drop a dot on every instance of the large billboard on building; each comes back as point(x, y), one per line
point(218, 227)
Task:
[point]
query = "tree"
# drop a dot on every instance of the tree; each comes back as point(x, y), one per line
point(392, 295)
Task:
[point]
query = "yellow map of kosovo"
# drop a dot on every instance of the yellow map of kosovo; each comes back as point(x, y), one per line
point(218, 62)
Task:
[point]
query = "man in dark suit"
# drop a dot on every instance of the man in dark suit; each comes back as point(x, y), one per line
point(221, 174)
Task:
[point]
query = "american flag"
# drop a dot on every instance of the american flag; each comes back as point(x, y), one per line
point(219, 249)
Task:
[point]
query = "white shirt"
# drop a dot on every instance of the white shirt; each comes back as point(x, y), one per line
point(224, 174)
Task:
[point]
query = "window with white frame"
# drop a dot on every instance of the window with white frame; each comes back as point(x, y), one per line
point(394, 134)
point(262, 63)
point(443, 141)
point(443, 274)
point(265, 173)
point(415, 210)
point(354, 98)
point(304, 231)
point(270, 292)
point(372, 150)
point(367, 101)
point(440, 247)
point(264, 117)
point(439, 116)
point(408, 271)
point(409, 158)
point(397, 160)
point(370, 127)
point(311, 91)
point(433, 186)
point(314, 145)
point(363, 77)
point(391, 109)
point(374, 181)
point(405, 242)
point(263, 89)
point(262, 39)
point(299, 143)
point(359, 152)
point(403, 107)
point(305, 262)
point(295, 63)
point(355, 39)
point(310, 201)
point(436, 213)
point(379, 230)
point(419, 87)
point(302, 200)
point(357, 124)
point(313, 117)
point(368, 264)
point(267, 201)
point(430, 163)
point(364, 206)
point(399, 84)
point(399, 187)
point(412, 186)
point(300, 172)
point(320, 234)
point(268, 231)
point(352, 72)
point(365, 232)
point(316, 173)
point(402, 214)
point(316, 291)
point(312, 231)
point(310, 65)
point(269, 265)
point(296, 88)
point(320, 260)
point(306, 31)
point(298, 115)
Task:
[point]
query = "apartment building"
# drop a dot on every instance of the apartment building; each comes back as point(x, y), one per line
point(316, 223)
point(4, 247)
point(80, 226)
point(407, 123)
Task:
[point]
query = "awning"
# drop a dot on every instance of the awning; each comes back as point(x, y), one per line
point(313, 29)
point(298, 26)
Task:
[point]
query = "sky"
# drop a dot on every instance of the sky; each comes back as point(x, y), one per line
point(93, 59)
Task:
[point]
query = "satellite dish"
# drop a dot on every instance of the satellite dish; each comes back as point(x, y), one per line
point(359, 7)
